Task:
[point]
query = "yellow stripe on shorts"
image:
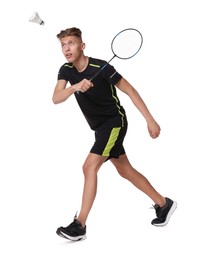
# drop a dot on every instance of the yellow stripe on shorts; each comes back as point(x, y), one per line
point(111, 141)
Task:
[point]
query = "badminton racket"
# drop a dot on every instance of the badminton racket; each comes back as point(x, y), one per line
point(125, 45)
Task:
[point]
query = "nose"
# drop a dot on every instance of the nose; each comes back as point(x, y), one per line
point(66, 48)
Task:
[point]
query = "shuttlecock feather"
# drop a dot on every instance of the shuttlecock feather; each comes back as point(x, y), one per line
point(35, 18)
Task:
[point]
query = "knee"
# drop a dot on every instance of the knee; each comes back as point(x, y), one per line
point(88, 169)
point(122, 173)
point(91, 165)
point(124, 170)
point(85, 168)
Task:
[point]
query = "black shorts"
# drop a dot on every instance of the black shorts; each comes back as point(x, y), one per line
point(109, 140)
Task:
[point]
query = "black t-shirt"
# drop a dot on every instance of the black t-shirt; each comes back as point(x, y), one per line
point(100, 103)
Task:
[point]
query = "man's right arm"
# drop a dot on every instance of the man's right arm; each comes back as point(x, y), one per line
point(61, 93)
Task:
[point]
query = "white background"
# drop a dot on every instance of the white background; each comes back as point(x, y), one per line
point(43, 146)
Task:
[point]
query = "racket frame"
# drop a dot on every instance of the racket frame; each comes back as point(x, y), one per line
point(115, 55)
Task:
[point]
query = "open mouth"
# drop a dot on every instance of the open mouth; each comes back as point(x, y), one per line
point(68, 56)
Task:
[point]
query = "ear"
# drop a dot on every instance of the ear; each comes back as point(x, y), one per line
point(83, 46)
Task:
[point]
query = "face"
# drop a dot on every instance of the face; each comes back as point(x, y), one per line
point(72, 48)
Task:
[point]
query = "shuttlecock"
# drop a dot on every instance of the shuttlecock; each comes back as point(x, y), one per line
point(35, 18)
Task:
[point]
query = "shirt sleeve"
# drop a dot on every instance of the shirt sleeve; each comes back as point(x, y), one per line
point(112, 75)
point(62, 73)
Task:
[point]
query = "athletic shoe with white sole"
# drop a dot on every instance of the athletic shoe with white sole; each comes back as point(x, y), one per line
point(164, 213)
point(75, 231)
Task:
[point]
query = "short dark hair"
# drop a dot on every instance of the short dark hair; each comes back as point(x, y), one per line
point(70, 32)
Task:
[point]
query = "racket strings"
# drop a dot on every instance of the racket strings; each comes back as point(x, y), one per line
point(127, 43)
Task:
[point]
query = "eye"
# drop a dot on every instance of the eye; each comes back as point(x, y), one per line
point(70, 43)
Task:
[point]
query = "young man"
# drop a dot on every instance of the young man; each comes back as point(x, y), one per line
point(101, 107)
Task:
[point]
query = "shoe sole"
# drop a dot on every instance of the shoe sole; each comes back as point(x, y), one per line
point(171, 211)
point(78, 238)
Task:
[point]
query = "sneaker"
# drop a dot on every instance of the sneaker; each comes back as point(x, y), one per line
point(164, 213)
point(75, 231)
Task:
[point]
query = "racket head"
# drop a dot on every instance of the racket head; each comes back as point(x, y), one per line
point(127, 43)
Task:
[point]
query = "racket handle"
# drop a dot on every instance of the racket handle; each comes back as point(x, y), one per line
point(99, 71)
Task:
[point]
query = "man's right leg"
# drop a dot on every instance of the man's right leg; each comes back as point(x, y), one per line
point(90, 169)
point(77, 229)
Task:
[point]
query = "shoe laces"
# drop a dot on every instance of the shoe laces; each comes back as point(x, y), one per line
point(74, 223)
point(156, 207)
point(77, 221)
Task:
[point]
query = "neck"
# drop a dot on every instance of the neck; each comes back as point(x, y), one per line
point(82, 65)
